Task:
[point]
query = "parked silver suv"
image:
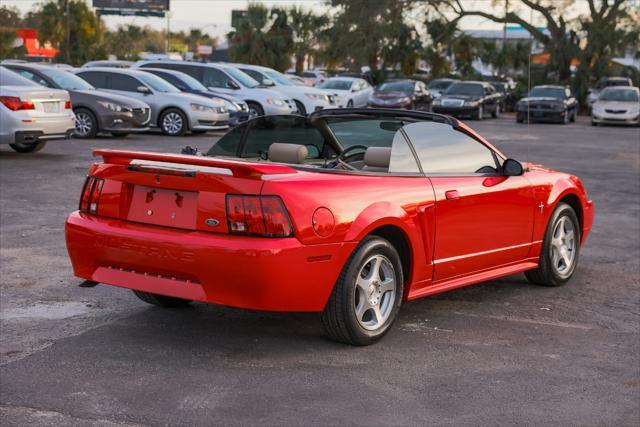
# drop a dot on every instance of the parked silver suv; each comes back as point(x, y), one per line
point(227, 79)
point(174, 112)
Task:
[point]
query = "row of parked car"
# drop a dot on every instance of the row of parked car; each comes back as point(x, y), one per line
point(121, 97)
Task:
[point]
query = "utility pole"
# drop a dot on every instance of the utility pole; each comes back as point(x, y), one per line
point(67, 48)
point(166, 39)
point(504, 35)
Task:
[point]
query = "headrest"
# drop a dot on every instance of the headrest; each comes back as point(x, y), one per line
point(377, 157)
point(287, 153)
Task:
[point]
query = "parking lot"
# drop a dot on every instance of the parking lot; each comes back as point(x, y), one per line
point(501, 352)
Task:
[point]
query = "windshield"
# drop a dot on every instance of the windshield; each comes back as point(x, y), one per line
point(66, 80)
point(396, 87)
point(473, 89)
point(278, 78)
point(611, 82)
point(244, 79)
point(157, 83)
point(499, 87)
point(337, 84)
point(440, 84)
point(547, 92)
point(191, 83)
point(369, 132)
point(622, 95)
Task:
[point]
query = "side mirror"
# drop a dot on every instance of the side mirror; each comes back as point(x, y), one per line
point(233, 85)
point(353, 90)
point(268, 82)
point(143, 89)
point(512, 167)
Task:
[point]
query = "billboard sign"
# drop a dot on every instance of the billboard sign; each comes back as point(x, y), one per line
point(132, 7)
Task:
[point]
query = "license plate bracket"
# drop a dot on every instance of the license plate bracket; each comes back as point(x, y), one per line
point(166, 207)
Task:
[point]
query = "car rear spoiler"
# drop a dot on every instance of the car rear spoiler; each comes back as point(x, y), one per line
point(142, 159)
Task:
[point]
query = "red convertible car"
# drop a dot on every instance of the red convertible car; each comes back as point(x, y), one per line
point(348, 213)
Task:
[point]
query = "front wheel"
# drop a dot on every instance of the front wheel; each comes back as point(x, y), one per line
point(300, 107)
point(24, 147)
point(161, 300)
point(367, 296)
point(173, 122)
point(86, 124)
point(560, 249)
point(480, 113)
point(496, 112)
point(350, 104)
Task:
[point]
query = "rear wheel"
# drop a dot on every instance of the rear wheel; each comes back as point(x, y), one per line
point(86, 124)
point(560, 249)
point(367, 296)
point(161, 300)
point(173, 122)
point(24, 147)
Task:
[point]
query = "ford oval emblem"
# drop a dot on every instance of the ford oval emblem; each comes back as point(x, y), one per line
point(211, 222)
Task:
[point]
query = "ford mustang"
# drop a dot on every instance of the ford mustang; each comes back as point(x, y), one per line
point(348, 213)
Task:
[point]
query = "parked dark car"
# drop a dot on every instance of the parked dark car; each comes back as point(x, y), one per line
point(409, 94)
point(474, 99)
point(438, 86)
point(238, 109)
point(507, 96)
point(95, 110)
point(549, 103)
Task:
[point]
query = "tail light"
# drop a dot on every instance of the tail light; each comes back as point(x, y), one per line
point(258, 215)
point(91, 194)
point(67, 105)
point(14, 103)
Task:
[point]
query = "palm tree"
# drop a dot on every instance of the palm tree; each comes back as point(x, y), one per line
point(307, 31)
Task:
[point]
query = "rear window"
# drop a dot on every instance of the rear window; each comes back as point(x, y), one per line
point(367, 132)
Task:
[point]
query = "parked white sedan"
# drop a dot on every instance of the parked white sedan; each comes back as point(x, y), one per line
point(307, 99)
point(353, 91)
point(31, 115)
point(617, 105)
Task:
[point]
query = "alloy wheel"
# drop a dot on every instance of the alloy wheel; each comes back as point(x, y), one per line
point(172, 123)
point(375, 292)
point(84, 124)
point(563, 245)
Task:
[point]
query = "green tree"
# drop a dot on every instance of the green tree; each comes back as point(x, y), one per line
point(73, 27)
point(307, 32)
point(369, 32)
point(262, 37)
point(10, 20)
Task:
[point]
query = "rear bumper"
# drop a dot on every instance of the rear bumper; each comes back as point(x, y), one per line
point(247, 272)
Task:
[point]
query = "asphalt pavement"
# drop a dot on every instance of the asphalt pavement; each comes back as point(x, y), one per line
point(502, 352)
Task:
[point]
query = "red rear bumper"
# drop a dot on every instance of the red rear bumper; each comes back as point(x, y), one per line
point(248, 272)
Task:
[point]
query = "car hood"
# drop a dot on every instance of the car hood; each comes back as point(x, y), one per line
point(190, 97)
point(465, 97)
point(260, 94)
point(99, 95)
point(616, 105)
point(541, 99)
point(391, 95)
point(291, 91)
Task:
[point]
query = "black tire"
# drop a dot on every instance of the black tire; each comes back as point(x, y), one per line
point(23, 147)
point(593, 123)
point(300, 106)
point(573, 116)
point(255, 109)
point(479, 114)
point(350, 104)
point(173, 122)
point(567, 118)
point(120, 134)
point(86, 124)
point(161, 300)
point(496, 112)
point(546, 274)
point(519, 118)
point(339, 316)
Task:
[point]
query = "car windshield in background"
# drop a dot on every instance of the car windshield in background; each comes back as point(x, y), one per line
point(192, 83)
point(547, 92)
point(67, 80)
point(405, 87)
point(157, 83)
point(609, 83)
point(499, 87)
point(622, 95)
point(242, 77)
point(337, 85)
point(472, 89)
point(278, 78)
point(439, 84)
point(9, 78)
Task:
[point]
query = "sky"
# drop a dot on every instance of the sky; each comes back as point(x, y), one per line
point(214, 16)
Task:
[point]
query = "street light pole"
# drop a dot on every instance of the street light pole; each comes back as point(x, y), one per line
point(68, 32)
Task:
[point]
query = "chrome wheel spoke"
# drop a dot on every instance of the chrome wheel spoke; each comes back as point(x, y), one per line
point(387, 286)
point(563, 246)
point(375, 292)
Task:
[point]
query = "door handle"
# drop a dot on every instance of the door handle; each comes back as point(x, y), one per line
point(452, 194)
